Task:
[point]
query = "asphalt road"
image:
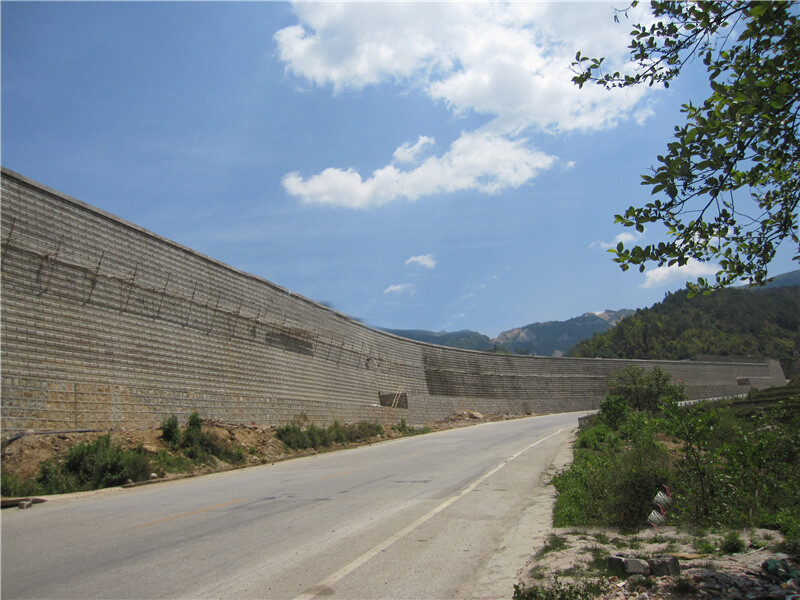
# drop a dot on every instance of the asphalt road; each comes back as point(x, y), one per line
point(442, 515)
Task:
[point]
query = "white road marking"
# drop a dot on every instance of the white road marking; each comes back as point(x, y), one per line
point(329, 581)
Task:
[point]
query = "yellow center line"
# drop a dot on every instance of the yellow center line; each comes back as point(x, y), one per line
point(189, 514)
point(340, 474)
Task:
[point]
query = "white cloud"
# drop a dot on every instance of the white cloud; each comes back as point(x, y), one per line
point(401, 288)
point(408, 153)
point(424, 260)
point(690, 271)
point(479, 160)
point(626, 237)
point(510, 62)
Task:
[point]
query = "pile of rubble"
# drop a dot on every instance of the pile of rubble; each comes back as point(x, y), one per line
point(663, 565)
point(774, 580)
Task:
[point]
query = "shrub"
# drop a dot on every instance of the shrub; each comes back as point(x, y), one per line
point(170, 431)
point(14, 486)
point(193, 433)
point(597, 438)
point(703, 546)
point(92, 465)
point(645, 390)
point(732, 543)
point(613, 411)
point(293, 437)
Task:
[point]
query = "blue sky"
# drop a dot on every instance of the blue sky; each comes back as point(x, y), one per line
point(414, 165)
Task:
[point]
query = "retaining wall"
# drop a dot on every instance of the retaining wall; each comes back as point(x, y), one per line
point(105, 324)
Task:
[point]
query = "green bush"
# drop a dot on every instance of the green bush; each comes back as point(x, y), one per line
point(597, 437)
point(88, 466)
point(13, 486)
point(732, 543)
point(613, 411)
point(607, 485)
point(170, 431)
point(296, 438)
point(293, 437)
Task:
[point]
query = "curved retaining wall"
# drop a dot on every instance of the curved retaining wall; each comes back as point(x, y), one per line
point(105, 324)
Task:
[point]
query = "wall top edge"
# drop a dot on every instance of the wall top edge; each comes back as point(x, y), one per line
point(8, 173)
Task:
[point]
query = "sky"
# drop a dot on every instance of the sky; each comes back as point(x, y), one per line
point(413, 165)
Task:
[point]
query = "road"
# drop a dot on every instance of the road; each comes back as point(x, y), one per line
point(443, 515)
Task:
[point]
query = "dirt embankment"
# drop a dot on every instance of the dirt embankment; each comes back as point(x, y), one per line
point(23, 456)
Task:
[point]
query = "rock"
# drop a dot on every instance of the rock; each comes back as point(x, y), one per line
point(616, 564)
point(664, 565)
point(636, 566)
point(153, 475)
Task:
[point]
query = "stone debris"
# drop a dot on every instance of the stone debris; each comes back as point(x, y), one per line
point(663, 567)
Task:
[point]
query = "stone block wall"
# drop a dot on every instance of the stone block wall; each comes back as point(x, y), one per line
point(105, 324)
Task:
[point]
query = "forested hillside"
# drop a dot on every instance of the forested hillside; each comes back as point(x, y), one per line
point(741, 321)
point(465, 339)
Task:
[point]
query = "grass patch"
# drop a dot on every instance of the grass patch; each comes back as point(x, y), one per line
point(584, 590)
point(405, 429)
point(735, 466)
point(87, 466)
point(703, 546)
point(553, 543)
point(314, 437)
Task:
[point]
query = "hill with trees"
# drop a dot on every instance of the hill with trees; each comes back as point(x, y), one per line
point(465, 339)
point(554, 338)
point(726, 322)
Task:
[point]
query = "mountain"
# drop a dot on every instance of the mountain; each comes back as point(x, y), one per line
point(544, 339)
point(465, 339)
point(751, 321)
point(554, 338)
point(787, 279)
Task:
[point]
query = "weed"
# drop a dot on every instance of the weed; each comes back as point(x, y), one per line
point(703, 546)
point(600, 538)
point(599, 560)
point(538, 572)
point(683, 586)
point(585, 590)
point(296, 438)
point(640, 583)
point(553, 543)
point(14, 486)
point(405, 429)
point(732, 543)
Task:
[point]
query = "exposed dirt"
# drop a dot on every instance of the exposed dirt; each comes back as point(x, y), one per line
point(24, 456)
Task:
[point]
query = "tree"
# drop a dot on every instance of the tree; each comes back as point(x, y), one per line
point(727, 188)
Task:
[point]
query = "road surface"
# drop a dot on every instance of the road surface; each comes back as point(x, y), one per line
point(444, 515)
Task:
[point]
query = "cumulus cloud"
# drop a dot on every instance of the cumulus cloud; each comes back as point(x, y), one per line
point(690, 271)
point(509, 62)
point(479, 160)
point(424, 260)
point(408, 153)
point(401, 288)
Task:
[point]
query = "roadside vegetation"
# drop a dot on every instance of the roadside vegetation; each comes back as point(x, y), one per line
point(726, 467)
point(104, 462)
point(734, 464)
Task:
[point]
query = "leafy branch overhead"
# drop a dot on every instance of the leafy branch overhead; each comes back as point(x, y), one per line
point(727, 188)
